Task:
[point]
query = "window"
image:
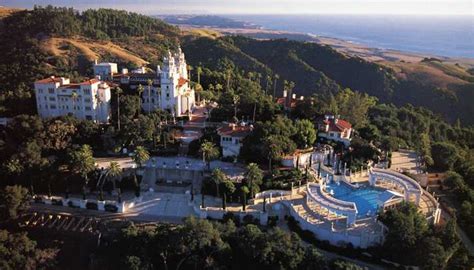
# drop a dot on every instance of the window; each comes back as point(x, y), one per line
point(226, 139)
point(88, 108)
point(89, 117)
point(87, 91)
point(52, 99)
point(87, 100)
point(51, 90)
point(52, 106)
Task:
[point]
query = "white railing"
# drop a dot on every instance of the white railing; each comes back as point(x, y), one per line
point(330, 201)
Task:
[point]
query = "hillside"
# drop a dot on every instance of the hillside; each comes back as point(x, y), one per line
point(317, 69)
point(62, 41)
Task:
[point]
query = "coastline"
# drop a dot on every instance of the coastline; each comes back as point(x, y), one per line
point(351, 48)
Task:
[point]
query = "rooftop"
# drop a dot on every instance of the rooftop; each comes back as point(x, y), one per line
point(48, 80)
point(235, 130)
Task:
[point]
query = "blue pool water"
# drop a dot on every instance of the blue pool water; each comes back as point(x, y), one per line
point(365, 197)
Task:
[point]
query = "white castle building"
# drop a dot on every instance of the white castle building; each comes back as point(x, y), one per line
point(167, 89)
point(89, 100)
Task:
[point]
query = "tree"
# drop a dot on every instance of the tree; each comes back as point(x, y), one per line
point(235, 100)
point(228, 187)
point(130, 106)
point(445, 155)
point(254, 178)
point(209, 152)
point(276, 77)
point(218, 177)
point(15, 200)
point(82, 162)
point(199, 71)
point(140, 156)
point(276, 146)
point(454, 180)
point(305, 133)
point(406, 229)
point(17, 251)
point(140, 90)
point(244, 190)
point(149, 83)
point(115, 172)
point(118, 91)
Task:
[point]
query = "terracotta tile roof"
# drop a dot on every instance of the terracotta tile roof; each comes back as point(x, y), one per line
point(281, 101)
point(70, 86)
point(49, 80)
point(90, 81)
point(237, 131)
point(182, 81)
point(340, 126)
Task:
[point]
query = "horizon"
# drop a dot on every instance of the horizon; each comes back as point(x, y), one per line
point(268, 7)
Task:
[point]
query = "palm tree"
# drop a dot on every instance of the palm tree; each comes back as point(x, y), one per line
point(275, 84)
point(150, 83)
point(209, 152)
point(140, 156)
point(245, 191)
point(269, 78)
point(140, 91)
point(254, 177)
point(119, 91)
point(199, 70)
point(115, 172)
point(219, 88)
point(218, 177)
point(74, 97)
point(235, 99)
point(190, 68)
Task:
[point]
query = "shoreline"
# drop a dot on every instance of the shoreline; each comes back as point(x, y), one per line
point(351, 48)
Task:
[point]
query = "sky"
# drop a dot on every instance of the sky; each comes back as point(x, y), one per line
point(407, 7)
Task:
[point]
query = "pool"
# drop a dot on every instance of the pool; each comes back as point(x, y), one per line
point(366, 198)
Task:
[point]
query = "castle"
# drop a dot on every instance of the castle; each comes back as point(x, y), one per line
point(167, 89)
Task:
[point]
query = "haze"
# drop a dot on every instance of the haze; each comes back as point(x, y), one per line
point(409, 7)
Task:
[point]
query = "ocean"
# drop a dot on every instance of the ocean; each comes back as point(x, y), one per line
point(451, 36)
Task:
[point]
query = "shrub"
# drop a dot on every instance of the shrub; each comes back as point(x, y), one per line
point(272, 221)
point(92, 206)
point(249, 219)
point(111, 208)
point(230, 216)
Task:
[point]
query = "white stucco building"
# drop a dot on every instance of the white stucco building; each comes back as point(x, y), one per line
point(231, 138)
point(105, 70)
point(167, 89)
point(335, 129)
point(89, 100)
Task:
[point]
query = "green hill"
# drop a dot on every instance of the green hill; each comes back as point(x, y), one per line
point(61, 41)
point(318, 69)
